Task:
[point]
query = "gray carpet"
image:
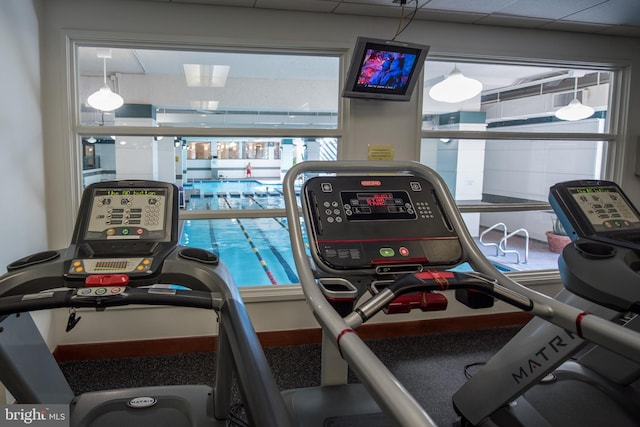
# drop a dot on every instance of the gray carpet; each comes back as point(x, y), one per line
point(431, 367)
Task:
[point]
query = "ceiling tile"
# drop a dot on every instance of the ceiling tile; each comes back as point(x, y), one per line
point(615, 12)
point(548, 9)
point(484, 6)
point(512, 21)
point(615, 17)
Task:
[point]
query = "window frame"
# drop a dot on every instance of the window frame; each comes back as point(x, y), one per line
point(612, 167)
point(78, 131)
point(616, 113)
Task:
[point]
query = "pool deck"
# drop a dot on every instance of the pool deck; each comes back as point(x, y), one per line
point(540, 257)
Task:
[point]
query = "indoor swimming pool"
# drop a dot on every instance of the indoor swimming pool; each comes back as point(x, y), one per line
point(257, 251)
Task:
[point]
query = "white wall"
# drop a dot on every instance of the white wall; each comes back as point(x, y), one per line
point(22, 225)
point(22, 216)
point(23, 228)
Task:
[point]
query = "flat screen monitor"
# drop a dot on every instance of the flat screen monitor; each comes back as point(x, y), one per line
point(384, 69)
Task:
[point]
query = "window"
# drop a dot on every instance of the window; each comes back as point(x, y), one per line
point(501, 148)
point(210, 89)
point(286, 105)
point(224, 126)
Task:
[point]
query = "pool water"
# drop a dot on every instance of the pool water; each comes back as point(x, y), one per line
point(257, 251)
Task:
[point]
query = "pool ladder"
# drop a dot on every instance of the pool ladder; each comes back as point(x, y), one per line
point(501, 246)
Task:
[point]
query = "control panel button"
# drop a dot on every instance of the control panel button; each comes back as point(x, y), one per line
point(387, 252)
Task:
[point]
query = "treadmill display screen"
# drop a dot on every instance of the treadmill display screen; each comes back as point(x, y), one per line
point(372, 205)
point(128, 214)
point(605, 208)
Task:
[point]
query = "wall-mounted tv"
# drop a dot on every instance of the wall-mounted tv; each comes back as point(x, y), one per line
point(384, 69)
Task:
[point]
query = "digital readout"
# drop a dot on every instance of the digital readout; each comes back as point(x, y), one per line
point(127, 214)
point(605, 208)
point(360, 205)
point(377, 199)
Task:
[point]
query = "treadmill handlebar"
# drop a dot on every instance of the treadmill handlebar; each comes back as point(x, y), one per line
point(434, 280)
point(175, 269)
point(112, 297)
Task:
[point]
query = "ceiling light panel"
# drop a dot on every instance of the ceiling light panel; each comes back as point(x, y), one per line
point(198, 75)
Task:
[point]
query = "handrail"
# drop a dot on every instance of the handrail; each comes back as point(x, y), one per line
point(502, 245)
point(493, 227)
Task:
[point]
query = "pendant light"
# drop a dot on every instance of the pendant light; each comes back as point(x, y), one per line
point(104, 99)
point(575, 110)
point(455, 88)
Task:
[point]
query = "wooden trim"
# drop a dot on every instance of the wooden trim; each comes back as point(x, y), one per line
point(155, 347)
point(110, 350)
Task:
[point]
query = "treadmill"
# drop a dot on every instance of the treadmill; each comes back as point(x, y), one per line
point(124, 250)
point(386, 236)
point(550, 376)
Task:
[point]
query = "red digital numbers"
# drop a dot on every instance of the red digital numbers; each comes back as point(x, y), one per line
point(378, 199)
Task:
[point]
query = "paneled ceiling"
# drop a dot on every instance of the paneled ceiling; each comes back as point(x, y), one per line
point(613, 17)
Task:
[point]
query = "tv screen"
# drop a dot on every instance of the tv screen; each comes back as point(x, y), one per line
point(384, 69)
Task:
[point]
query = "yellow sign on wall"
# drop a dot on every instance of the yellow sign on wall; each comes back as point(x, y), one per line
point(380, 152)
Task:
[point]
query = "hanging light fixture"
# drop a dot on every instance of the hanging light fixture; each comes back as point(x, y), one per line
point(104, 99)
point(455, 88)
point(575, 110)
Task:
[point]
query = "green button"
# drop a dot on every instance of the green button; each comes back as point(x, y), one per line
point(387, 252)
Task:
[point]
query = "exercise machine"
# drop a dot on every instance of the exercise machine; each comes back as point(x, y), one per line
point(551, 376)
point(124, 250)
point(385, 236)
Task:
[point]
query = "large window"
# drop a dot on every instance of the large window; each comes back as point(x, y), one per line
point(187, 108)
point(224, 126)
point(504, 142)
point(217, 89)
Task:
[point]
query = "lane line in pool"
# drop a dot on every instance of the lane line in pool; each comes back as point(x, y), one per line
point(275, 219)
point(291, 275)
point(255, 249)
point(212, 235)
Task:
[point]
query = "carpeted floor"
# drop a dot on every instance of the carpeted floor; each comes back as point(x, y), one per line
point(431, 367)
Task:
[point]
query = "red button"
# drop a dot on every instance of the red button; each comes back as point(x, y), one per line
point(403, 251)
point(107, 280)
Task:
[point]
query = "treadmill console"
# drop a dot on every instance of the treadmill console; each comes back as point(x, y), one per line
point(381, 224)
point(598, 210)
point(124, 227)
point(602, 263)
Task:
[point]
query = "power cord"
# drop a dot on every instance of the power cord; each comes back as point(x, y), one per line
point(467, 369)
point(412, 16)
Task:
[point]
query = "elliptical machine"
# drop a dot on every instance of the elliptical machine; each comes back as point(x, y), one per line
point(379, 232)
point(125, 241)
